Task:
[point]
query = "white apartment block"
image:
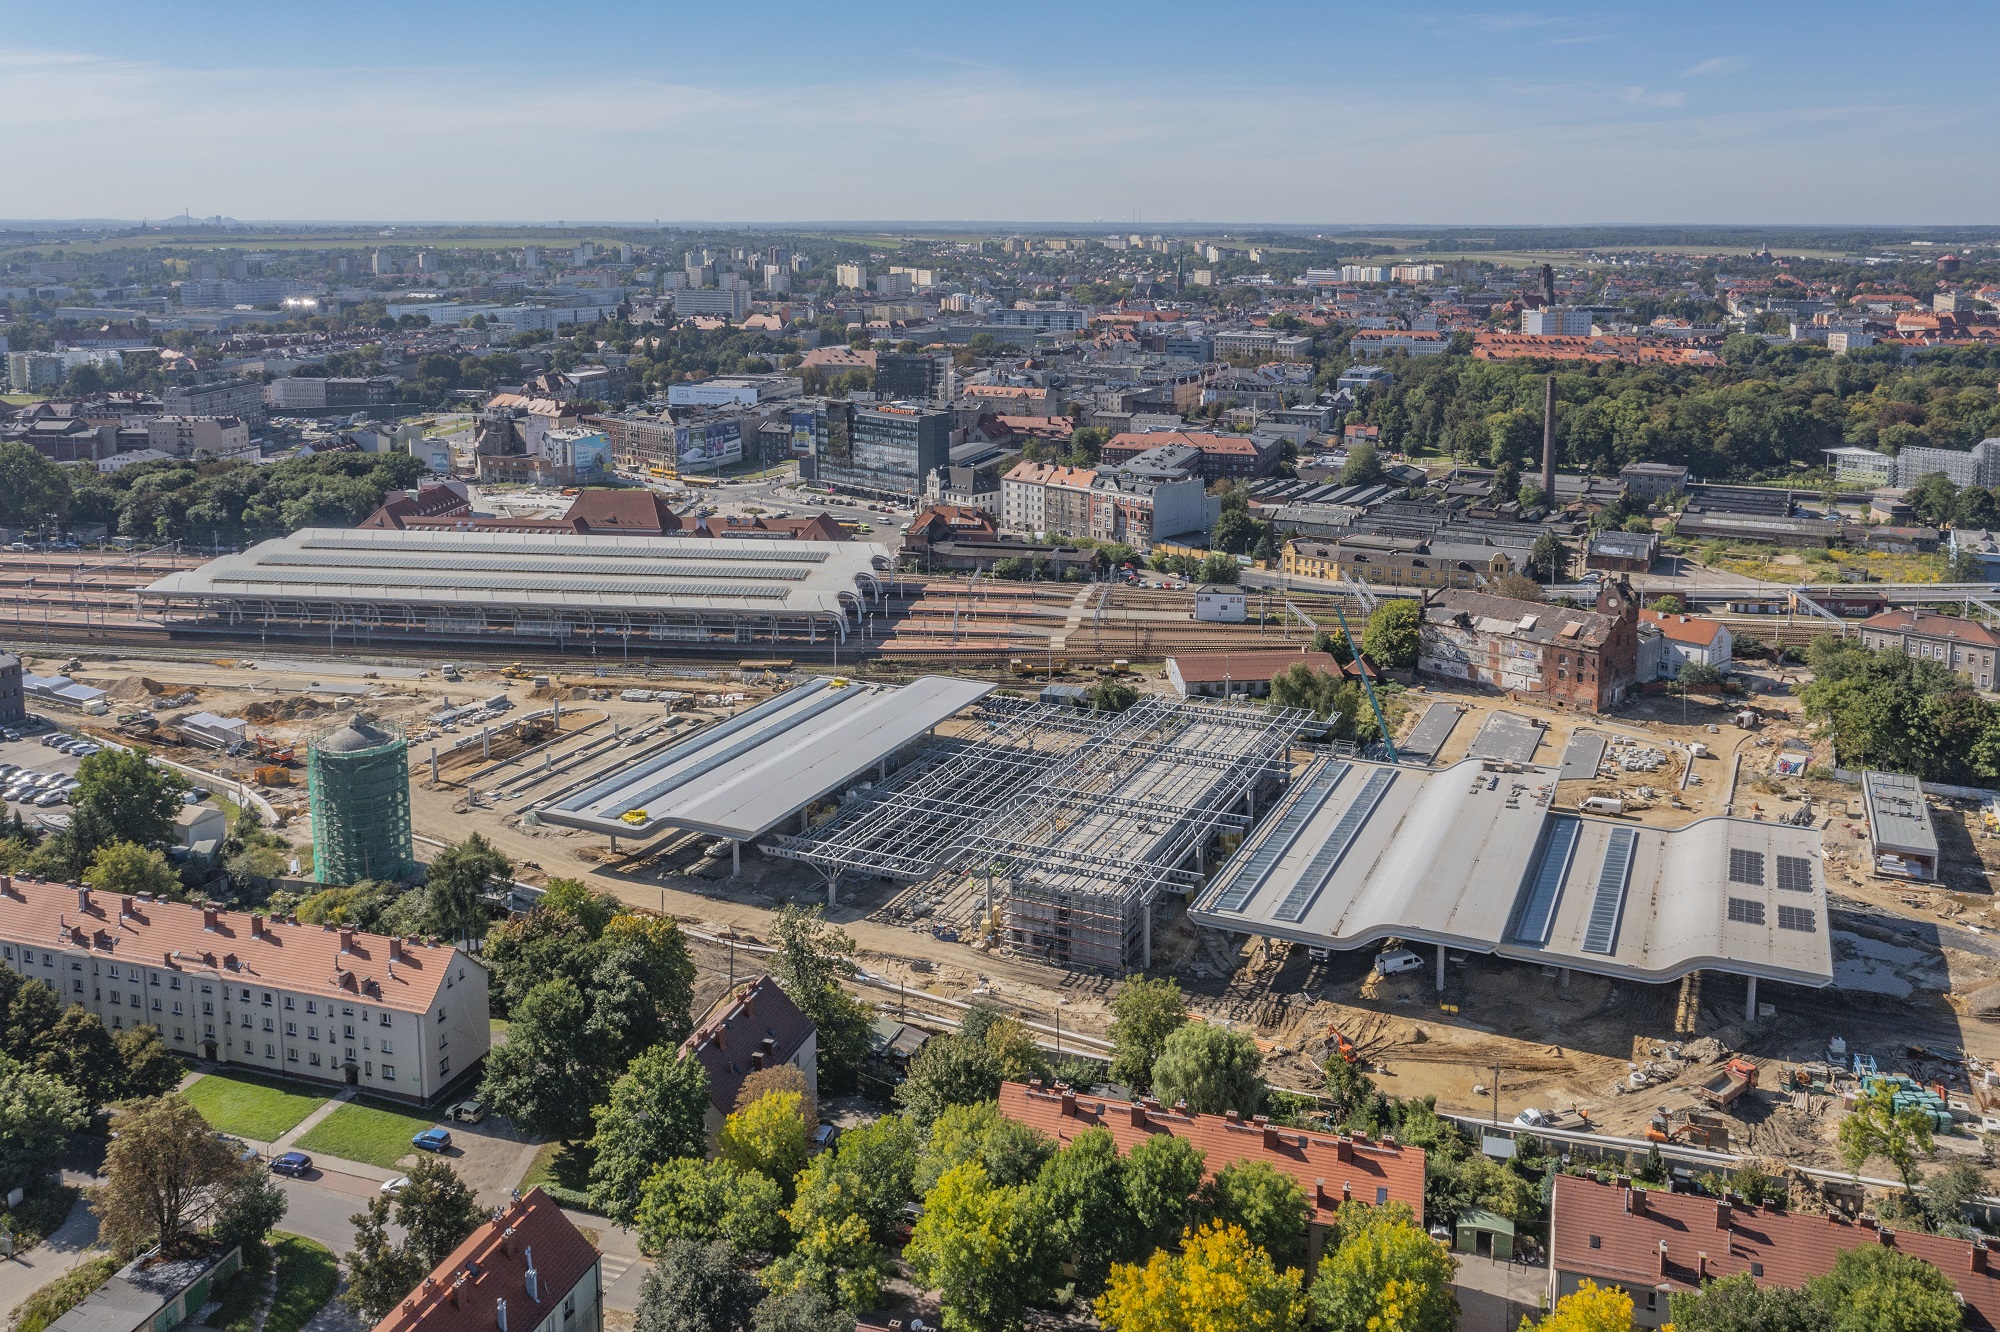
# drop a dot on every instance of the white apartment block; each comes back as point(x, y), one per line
point(1557, 321)
point(392, 1016)
point(851, 275)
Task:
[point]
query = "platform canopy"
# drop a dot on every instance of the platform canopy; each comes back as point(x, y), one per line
point(748, 775)
point(1475, 856)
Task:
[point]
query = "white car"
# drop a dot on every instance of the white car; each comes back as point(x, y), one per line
point(396, 1185)
point(1533, 1118)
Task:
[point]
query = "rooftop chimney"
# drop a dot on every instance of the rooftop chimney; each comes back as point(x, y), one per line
point(83, 900)
point(1548, 443)
point(1722, 1214)
point(1978, 1255)
point(534, 1279)
point(1138, 1111)
point(208, 918)
point(1635, 1201)
point(1068, 1101)
point(256, 927)
point(347, 941)
point(395, 949)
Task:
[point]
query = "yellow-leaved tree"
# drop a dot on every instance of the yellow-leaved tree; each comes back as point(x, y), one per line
point(1589, 1308)
point(1218, 1282)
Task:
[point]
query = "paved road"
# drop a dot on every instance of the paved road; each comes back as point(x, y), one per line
point(22, 1276)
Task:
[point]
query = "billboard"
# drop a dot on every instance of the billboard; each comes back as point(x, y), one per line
point(705, 446)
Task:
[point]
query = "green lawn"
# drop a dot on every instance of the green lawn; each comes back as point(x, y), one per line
point(307, 1275)
point(250, 1106)
point(242, 1298)
point(357, 1132)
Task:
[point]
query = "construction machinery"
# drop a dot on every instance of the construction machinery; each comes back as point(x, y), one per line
point(276, 753)
point(1693, 1128)
point(1727, 1087)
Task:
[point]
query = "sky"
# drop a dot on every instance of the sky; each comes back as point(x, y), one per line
point(1086, 111)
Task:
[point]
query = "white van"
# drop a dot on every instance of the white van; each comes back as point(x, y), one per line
point(1395, 960)
point(1601, 805)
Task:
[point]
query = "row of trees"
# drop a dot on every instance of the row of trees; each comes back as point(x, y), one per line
point(1905, 714)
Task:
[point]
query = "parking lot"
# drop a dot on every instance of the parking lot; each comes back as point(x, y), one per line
point(30, 756)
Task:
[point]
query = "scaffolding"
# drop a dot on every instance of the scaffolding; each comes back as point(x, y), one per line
point(358, 785)
point(1055, 829)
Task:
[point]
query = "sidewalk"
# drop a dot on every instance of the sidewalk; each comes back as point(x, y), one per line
point(23, 1275)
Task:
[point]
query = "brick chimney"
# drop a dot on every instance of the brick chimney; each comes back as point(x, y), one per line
point(1138, 1110)
point(209, 918)
point(347, 941)
point(83, 900)
point(1233, 1116)
point(1635, 1201)
point(1663, 1257)
point(1271, 1143)
point(756, 1060)
point(1068, 1102)
point(1343, 1149)
point(1722, 1214)
point(256, 926)
point(395, 948)
point(1976, 1259)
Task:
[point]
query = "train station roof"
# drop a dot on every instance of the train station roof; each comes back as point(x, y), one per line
point(1475, 856)
point(748, 775)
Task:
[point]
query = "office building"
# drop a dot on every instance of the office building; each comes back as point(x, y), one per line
point(889, 448)
point(318, 1002)
point(241, 398)
point(913, 376)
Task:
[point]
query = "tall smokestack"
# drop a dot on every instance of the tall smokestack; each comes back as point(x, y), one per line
point(1548, 286)
point(1549, 440)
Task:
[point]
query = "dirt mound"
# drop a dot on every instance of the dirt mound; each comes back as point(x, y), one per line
point(135, 687)
point(293, 708)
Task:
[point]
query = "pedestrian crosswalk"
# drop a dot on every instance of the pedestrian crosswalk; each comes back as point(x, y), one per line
point(616, 1265)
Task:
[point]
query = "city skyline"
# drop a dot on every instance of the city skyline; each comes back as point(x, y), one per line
point(1289, 114)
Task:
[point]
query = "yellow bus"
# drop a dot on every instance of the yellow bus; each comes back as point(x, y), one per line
point(698, 481)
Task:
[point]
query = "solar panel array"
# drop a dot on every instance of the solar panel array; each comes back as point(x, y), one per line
point(1795, 874)
point(584, 585)
point(574, 547)
point(1746, 867)
point(1607, 903)
point(1803, 919)
point(438, 561)
point(1250, 875)
point(1746, 911)
point(1327, 859)
point(1551, 867)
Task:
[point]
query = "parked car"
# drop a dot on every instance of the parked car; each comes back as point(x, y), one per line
point(295, 1164)
point(432, 1140)
point(395, 1186)
point(468, 1112)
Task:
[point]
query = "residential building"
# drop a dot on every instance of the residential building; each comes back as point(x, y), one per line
point(942, 524)
point(526, 1269)
point(1010, 399)
point(1393, 562)
point(1651, 481)
point(1653, 1242)
point(1259, 342)
point(854, 276)
point(34, 371)
point(1687, 640)
point(322, 1003)
point(725, 302)
point(1966, 648)
point(186, 436)
point(752, 1028)
point(1356, 378)
point(1331, 1168)
point(1025, 493)
point(1102, 504)
point(1371, 342)
point(1556, 321)
point(885, 447)
point(1042, 316)
point(1579, 658)
point(967, 488)
point(1223, 457)
point(241, 398)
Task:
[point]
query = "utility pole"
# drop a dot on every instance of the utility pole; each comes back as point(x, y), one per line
point(1496, 1091)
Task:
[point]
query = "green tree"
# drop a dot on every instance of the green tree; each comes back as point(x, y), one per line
point(871, 1174)
point(1363, 466)
point(437, 1211)
point(1347, 1088)
point(457, 881)
point(1876, 1128)
point(1934, 498)
point(655, 1114)
point(149, 1067)
point(79, 1049)
point(1391, 638)
point(1162, 1189)
point(544, 1074)
point(1009, 1151)
point(167, 1177)
point(247, 1216)
point(803, 1310)
point(833, 1254)
point(379, 1271)
point(696, 1288)
point(1144, 1013)
point(1083, 1188)
point(128, 868)
point(770, 1136)
point(1219, 1282)
point(31, 487)
point(699, 1200)
point(38, 1113)
point(1740, 1304)
point(1666, 605)
point(1267, 1204)
point(1947, 1195)
point(1334, 643)
point(122, 796)
point(950, 1070)
point(813, 957)
point(1590, 1308)
point(1210, 1068)
point(1384, 1268)
point(1549, 558)
point(1221, 569)
point(1877, 1289)
point(1112, 695)
point(985, 1248)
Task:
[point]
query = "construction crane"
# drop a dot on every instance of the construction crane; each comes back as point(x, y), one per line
point(1381, 722)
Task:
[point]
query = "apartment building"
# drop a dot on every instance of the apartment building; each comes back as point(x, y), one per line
point(392, 1016)
point(1964, 647)
point(185, 436)
point(242, 398)
point(1103, 504)
point(1556, 321)
point(1223, 457)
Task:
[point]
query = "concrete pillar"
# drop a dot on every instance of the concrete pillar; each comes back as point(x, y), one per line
point(486, 742)
point(735, 858)
point(1201, 857)
point(1564, 982)
point(1146, 936)
point(882, 769)
point(1440, 968)
point(1750, 1002)
point(831, 900)
point(434, 764)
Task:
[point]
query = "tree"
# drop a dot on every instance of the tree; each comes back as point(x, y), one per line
point(950, 1070)
point(778, 1078)
point(1162, 1186)
point(805, 1309)
point(149, 1067)
point(31, 487)
point(1590, 1308)
point(1666, 605)
point(1517, 587)
point(708, 1200)
point(379, 1272)
point(871, 1174)
point(1506, 482)
point(1235, 532)
point(1740, 1304)
point(1347, 1088)
point(437, 1210)
point(1876, 1128)
point(128, 868)
point(1083, 1187)
point(1013, 1048)
point(122, 796)
point(79, 1049)
point(1221, 569)
point(38, 1113)
point(770, 1136)
point(1549, 558)
point(835, 1256)
point(984, 1248)
point(1391, 638)
point(1334, 643)
point(1876, 1289)
point(696, 1288)
point(1109, 695)
point(655, 1114)
point(1934, 498)
point(1363, 466)
point(1266, 1204)
point(249, 1214)
point(1145, 1012)
point(1210, 1068)
point(1011, 1152)
point(1948, 1193)
point(167, 1176)
point(457, 880)
point(813, 957)
point(544, 1074)
point(1219, 1282)
point(1384, 1268)
point(653, 952)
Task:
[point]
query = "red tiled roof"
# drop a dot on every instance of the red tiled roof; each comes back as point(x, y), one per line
point(1237, 667)
point(612, 511)
point(732, 1043)
point(464, 1292)
point(1613, 1233)
point(1331, 1169)
point(1683, 628)
point(1129, 442)
point(309, 959)
point(1919, 625)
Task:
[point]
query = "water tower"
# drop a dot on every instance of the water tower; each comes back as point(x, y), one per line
point(358, 785)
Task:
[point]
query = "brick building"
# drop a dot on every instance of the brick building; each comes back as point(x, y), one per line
point(1223, 457)
point(1579, 658)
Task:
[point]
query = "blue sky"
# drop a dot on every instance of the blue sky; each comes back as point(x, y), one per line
point(1334, 112)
